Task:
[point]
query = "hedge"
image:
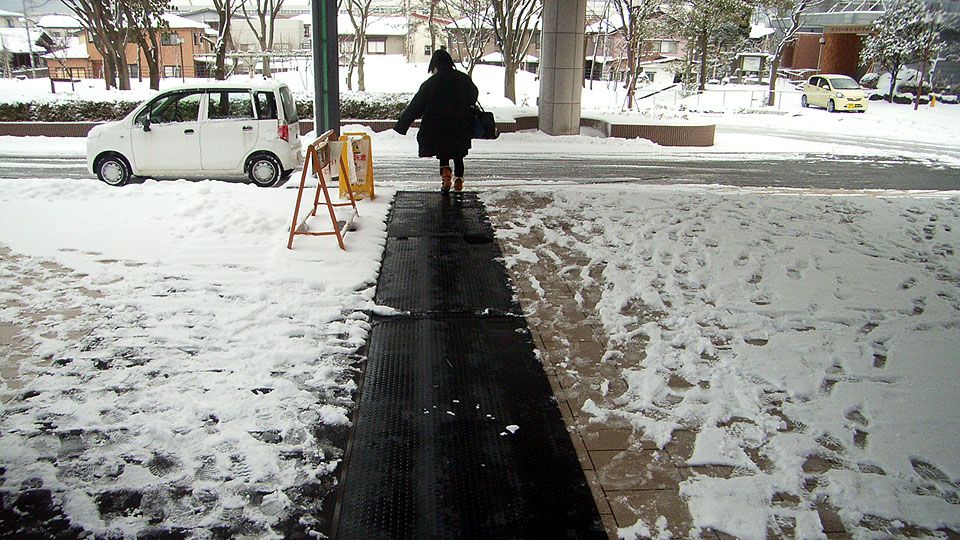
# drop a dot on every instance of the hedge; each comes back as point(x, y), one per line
point(360, 106)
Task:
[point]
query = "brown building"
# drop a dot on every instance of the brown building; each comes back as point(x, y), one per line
point(77, 58)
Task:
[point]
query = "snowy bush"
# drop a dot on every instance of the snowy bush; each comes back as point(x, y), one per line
point(71, 110)
point(870, 80)
point(911, 87)
point(903, 99)
point(949, 99)
point(877, 97)
point(353, 105)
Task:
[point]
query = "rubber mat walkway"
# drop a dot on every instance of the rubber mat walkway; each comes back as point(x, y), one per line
point(457, 434)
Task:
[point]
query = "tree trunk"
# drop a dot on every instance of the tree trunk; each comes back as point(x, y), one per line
point(266, 66)
point(893, 81)
point(772, 96)
point(361, 85)
point(510, 81)
point(702, 45)
point(923, 72)
point(631, 75)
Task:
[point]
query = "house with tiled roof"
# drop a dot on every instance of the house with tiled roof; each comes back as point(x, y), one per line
point(76, 57)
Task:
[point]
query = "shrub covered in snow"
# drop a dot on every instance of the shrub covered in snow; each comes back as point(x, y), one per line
point(903, 99)
point(911, 87)
point(870, 80)
point(353, 105)
point(949, 99)
point(67, 110)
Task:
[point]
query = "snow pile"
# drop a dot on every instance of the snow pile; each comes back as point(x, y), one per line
point(810, 340)
point(207, 371)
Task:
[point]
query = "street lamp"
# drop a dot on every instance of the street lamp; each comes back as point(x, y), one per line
point(823, 41)
point(178, 39)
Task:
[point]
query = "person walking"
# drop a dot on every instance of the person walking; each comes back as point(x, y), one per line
point(443, 104)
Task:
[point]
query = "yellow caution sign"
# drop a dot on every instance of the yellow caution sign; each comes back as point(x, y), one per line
point(356, 165)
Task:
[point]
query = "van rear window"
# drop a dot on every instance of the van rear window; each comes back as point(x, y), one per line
point(266, 106)
point(289, 106)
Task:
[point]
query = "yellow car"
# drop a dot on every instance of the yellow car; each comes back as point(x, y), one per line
point(835, 93)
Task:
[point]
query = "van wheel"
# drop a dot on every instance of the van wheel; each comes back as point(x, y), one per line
point(264, 170)
point(831, 107)
point(113, 170)
point(803, 101)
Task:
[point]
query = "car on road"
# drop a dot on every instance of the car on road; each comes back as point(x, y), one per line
point(209, 129)
point(834, 93)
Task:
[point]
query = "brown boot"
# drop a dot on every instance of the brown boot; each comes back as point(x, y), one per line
point(458, 184)
point(446, 173)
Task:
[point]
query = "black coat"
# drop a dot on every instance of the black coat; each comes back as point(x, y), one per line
point(443, 104)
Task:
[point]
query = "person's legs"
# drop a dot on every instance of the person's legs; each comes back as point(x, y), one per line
point(458, 173)
point(445, 173)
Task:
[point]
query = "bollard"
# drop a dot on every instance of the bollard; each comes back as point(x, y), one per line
point(933, 100)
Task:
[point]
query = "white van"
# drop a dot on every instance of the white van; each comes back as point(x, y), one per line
point(207, 129)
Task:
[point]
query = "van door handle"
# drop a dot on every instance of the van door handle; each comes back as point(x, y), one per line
point(188, 131)
point(248, 128)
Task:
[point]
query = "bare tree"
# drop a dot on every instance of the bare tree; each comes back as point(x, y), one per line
point(634, 21)
point(473, 28)
point(710, 24)
point(358, 11)
point(106, 22)
point(266, 16)
point(146, 17)
point(515, 25)
point(787, 17)
point(225, 9)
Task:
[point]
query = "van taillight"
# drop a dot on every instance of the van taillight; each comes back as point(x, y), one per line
point(283, 131)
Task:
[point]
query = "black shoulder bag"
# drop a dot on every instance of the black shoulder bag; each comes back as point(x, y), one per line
point(484, 126)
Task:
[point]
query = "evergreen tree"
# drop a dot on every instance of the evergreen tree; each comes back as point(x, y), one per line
point(895, 38)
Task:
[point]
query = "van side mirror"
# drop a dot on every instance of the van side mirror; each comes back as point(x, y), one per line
point(146, 123)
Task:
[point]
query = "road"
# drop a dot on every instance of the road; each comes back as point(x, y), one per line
point(814, 171)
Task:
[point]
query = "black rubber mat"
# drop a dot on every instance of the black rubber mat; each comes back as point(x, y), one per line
point(457, 434)
point(432, 214)
point(443, 274)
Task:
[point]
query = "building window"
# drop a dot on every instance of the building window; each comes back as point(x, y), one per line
point(426, 50)
point(196, 38)
point(378, 46)
point(669, 47)
point(169, 38)
point(172, 71)
point(133, 69)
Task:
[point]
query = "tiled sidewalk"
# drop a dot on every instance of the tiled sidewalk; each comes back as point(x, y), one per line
point(630, 477)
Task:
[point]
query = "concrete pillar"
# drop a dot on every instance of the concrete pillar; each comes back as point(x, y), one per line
point(561, 66)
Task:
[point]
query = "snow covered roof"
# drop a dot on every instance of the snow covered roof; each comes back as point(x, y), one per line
point(758, 31)
point(376, 26)
point(602, 27)
point(15, 40)
point(5, 13)
point(176, 21)
point(306, 19)
point(497, 57)
point(75, 49)
point(658, 61)
point(58, 21)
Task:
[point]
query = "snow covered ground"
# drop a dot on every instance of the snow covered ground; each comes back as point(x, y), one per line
point(811, 335)
point(165, 344)
point(203, 365)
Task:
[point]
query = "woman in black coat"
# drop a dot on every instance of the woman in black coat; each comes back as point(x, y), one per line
point(443, 104)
